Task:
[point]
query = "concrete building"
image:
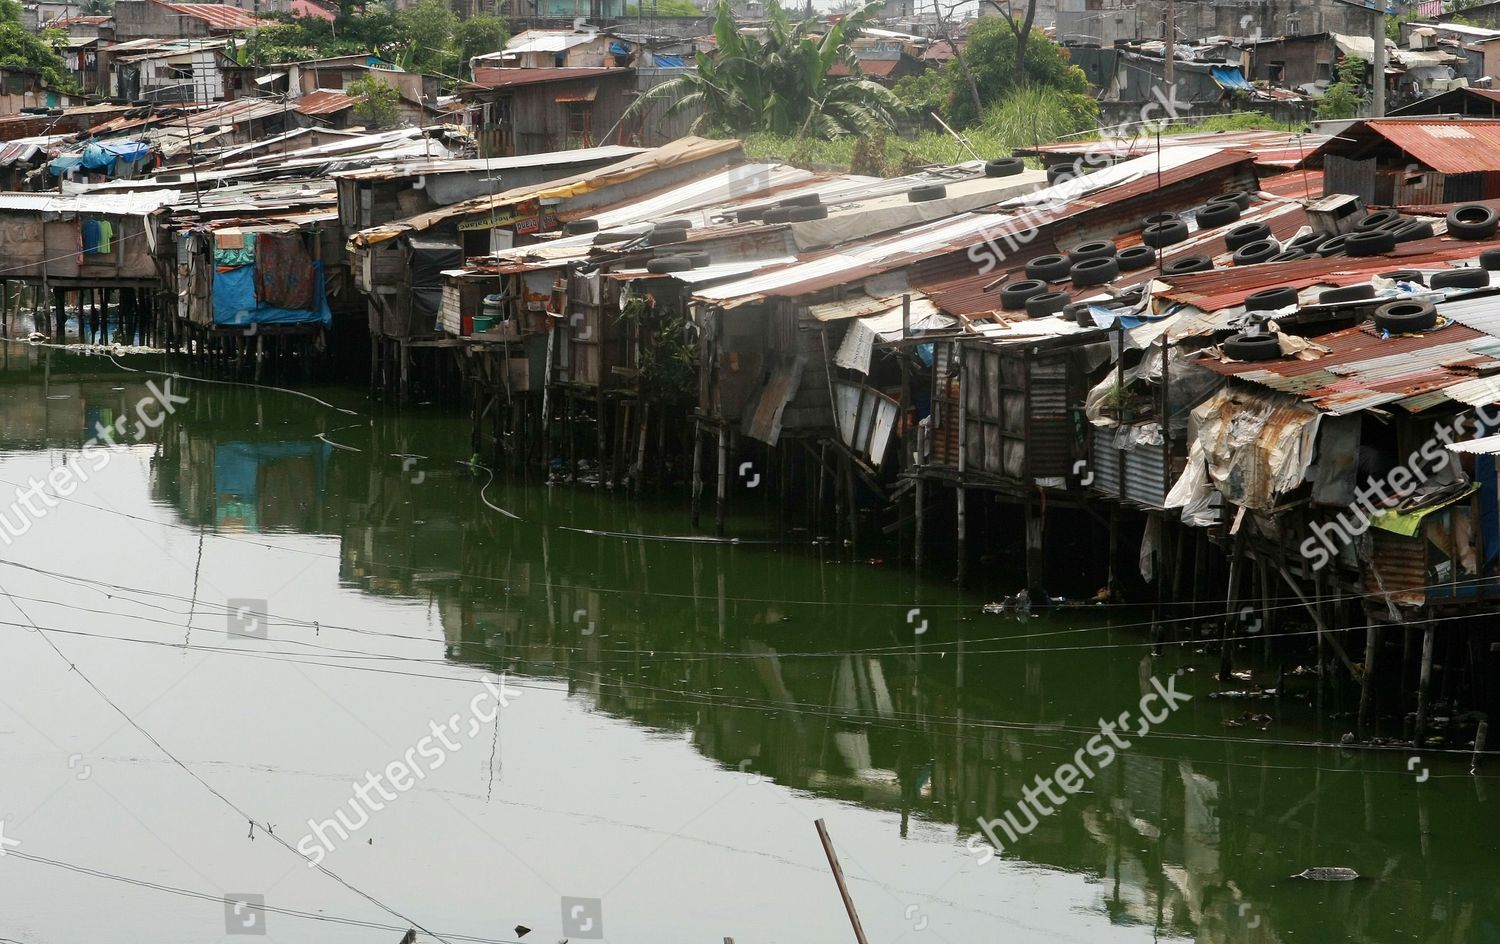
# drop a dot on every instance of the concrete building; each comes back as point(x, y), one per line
point(158, 19)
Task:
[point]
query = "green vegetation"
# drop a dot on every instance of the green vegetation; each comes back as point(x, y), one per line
point(426, 37)
point(1039, 114)
point(883, 155)
point(1344, 98)
point(991, 58)
point(777, 81)
point(1252, 121)
point(22, 49)
point(378, 102)
point(665, 8)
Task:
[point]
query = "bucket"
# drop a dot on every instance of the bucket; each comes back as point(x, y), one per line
point(482, 323)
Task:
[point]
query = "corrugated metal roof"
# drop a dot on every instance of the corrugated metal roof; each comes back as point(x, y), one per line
point(491, 77)
point(683, 151)
point(323, 102)
point(1226, 287)
point(124, 204)
point(961, 285)
point(1487, 445)
point(544, 41)
point(719, 187)
point(1364, 370)
point(956, 234)
point(218, 15)
point(1448, 146)
point(478, 164)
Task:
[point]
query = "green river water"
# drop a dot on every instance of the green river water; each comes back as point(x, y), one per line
point(289, 594)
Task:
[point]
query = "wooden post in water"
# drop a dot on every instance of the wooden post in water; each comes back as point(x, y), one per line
point(723, 488)
point(697, 469)
point(1480, 737)
point(1424, 683)
point(1367, 680)
point(1231, 597)
point(921, 490)
point(838, 876)
point(963, 448)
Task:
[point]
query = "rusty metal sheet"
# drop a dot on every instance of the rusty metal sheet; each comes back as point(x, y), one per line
point(1364, 370)
point(763, 419)
point(1397, 567)
point(1444, 144)
point(1228, 286)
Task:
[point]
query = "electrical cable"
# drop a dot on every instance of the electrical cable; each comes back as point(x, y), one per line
point(204, 783)
point(263, 908)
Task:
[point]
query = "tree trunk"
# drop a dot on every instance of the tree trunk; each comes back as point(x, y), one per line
point(958, 57)
point(1022, 33)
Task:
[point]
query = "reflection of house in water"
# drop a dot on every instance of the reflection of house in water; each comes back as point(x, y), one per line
point(267, 485)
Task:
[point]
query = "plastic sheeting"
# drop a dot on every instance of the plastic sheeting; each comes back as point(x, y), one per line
point(130, 151)
point(1256, 448)
point(1229, 77)
point(235, 302)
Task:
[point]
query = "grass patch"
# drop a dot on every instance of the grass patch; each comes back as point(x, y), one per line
point(1009, 125)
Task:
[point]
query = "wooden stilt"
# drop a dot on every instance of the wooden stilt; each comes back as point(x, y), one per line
point(697, 499)
point(961, 494)
point(1424, 684)
point(722, 495)
point(921, 524)
point(1036, 562)
point(1367, 681)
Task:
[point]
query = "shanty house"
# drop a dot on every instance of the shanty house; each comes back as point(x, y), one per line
point(535, 111)
point(556, 49)
point(1288, 61)
point(1413, 161)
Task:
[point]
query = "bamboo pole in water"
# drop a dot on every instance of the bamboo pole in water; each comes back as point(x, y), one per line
point(838, 876)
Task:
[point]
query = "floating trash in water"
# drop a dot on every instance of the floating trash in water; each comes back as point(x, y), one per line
point(1326, 874)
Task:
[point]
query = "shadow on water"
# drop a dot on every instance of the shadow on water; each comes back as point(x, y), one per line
point(782, 662)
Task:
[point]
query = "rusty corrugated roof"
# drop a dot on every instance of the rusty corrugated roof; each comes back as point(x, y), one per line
point(1447, 145)
point(490, 77)
point(1223, 288)
point(218, 15)
point(1364, 370)
point(323, 102)
point(957, 235)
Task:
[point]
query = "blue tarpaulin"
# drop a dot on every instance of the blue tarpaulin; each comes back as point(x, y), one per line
point(235, 302)
point(669, 62)
point(130, 151)
point(61, 165)
point(96, 156)
point(1229, 77)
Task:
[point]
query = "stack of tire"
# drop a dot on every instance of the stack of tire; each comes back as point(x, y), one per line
point(667, 232)
point(1377, 233)
point(1087, 265)
point(799, 209)
point(1263, 346)
point(1092, 263)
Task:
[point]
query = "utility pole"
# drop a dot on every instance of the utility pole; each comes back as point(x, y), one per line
point(1377, 62)
point(1167, 71)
